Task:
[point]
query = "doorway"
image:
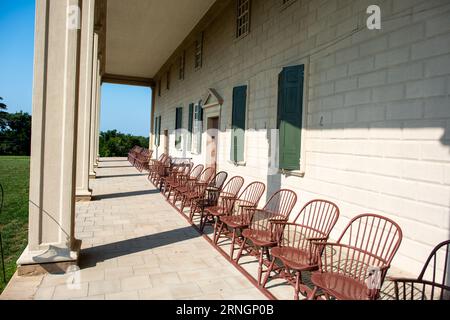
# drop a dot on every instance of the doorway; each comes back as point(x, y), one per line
point(212, 143)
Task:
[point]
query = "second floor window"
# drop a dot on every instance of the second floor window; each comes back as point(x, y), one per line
point(198, 51)
point(243, 18)
point(182, 64)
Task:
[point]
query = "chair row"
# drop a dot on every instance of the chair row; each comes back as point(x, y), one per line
point(140, 157)
point(352, 268)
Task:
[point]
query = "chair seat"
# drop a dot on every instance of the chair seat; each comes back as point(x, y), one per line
point(260, 238)
point(293, 258)
point(341, 287)
point(239, 221)
point(216, 211)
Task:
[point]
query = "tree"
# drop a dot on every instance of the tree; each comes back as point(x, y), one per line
point(2, 114)
point(15, 134)
point(116, 144)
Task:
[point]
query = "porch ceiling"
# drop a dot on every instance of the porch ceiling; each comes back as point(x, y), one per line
point(142, 34)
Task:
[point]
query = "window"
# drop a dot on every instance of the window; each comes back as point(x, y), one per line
point(243, 18)
point(190, 126)
point(159, 87)
point(290, 116)
point(157, 131)
point(178, 127)
point(168, 80)
point(198, 129)
point(182, 65)
point(198, 50)
point(238, 124)
point(287, 3)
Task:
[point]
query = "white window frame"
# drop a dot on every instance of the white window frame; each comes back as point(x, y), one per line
point(243, 18)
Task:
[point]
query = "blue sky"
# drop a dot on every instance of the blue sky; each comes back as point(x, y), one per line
point(124, 108)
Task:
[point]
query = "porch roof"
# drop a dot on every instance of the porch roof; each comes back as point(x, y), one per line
point(142, 34)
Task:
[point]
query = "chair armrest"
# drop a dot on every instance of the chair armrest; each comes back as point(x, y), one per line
point(317, 239)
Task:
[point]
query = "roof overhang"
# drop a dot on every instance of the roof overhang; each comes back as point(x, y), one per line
point(142, 34)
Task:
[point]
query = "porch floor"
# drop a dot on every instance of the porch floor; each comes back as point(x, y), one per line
point(136, 246)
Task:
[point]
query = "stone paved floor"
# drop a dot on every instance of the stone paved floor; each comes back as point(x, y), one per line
point(136, 246)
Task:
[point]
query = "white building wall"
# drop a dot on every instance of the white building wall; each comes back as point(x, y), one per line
point(378, 110)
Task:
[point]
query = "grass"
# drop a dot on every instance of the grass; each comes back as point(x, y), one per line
point(14, 176)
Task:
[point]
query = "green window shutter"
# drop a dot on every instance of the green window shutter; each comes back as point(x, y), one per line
point(178, 126)
point(198, 116)
point(190, 125)
point(157, 131)
point(238, 123)
point(290, 113)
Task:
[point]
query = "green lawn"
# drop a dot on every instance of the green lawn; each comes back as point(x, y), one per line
point(14, 176)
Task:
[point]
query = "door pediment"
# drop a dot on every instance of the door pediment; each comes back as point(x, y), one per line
point(212, 99)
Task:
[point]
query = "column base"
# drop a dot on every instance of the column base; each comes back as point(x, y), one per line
point(56, 259)
point(83, 195)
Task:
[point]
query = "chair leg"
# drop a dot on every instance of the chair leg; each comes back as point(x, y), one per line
point(260, 264)
point(218, 227)
point(312, 295)
point(233, 242)
point(297, 285)
point(269, 270)
point(241, 250)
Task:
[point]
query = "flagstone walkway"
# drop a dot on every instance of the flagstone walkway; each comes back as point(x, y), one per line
point(136, 246)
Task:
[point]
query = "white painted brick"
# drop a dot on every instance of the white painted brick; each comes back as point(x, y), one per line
point(372, 79)
point(371, 113)
point(435, 151)
point(404, 110)
point(423, 130)
point(423, 171)
point(438, 25)
point(337, 72)
point(347, 115)
point(361, 66)
point(346, 84)
point(392, 57)
point(390, 93)
point(431, 48)
point(422, 212)
point(373, 46)
point(434, 194)
point(391, 130)
point(447, 174)
point(426, 88)
point(407, 35)
point(333, 102)
point(347, 55)
point(405, 72)
point(437, 108)
point(401, 149)
point(438, 66)
point(357, 97)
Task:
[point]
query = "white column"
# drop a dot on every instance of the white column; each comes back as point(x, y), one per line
point(99, 103)
point(51, 239)
point(92, 139)
point(83, 193)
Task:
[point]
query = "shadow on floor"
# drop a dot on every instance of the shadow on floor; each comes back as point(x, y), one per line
point(123, 176)
point(91, 257)
point(124, 194)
